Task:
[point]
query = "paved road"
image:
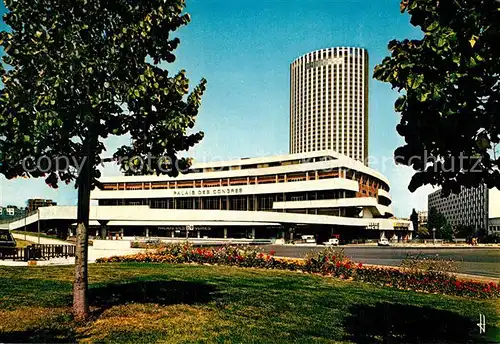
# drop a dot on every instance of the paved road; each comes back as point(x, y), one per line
point(472, 260)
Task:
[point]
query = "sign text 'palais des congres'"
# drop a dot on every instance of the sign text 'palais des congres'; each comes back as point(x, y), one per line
point(206, 192)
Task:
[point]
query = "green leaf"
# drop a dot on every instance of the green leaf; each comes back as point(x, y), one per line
point(441, 42)
point(400, 103)
point(433, 26)
point(414, 81)
point(424, 96)
point(473, 40)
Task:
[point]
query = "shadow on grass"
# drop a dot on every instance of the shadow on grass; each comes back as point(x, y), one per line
point(159, 292)
point(45, 335)
point(398, 323)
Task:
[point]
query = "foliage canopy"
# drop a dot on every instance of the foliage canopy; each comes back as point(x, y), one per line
point(450, 101)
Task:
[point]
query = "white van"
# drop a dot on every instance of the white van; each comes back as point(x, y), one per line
point(332, 242)
point(308, 239)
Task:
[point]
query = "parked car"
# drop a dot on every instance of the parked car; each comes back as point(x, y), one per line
point(308, 239)
point(7, 243)
point(383, 242)
point(332, 242)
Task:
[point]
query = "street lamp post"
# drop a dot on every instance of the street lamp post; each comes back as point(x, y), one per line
point(434, 236)
point(38, 212)
point(25, 214)
point(188, 228)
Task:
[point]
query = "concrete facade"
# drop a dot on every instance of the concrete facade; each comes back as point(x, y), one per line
point(329, 102)
point(321, 193)
point(472, 207)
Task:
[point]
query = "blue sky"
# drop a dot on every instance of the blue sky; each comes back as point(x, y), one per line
point(244, 48)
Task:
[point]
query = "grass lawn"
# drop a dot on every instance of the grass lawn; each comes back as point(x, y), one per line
point(143, 303)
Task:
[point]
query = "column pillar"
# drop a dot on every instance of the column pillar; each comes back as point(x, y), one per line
point(382, 234)
point(62, 231)
point(147, 232)
point(199, 234)
point(253, 233)
point(225, 233)
point(104, 229)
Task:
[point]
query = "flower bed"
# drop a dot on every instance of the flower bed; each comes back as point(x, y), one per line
point(329, 262)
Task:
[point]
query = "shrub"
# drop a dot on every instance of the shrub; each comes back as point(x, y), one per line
point(429, 264)
point(329, 261)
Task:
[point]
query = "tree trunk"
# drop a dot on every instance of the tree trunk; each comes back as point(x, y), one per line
point(80, 285)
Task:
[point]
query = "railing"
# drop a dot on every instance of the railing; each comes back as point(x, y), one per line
point(37, 251)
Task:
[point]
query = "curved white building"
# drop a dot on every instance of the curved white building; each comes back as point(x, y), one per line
point(329, 102)
point(321, 193)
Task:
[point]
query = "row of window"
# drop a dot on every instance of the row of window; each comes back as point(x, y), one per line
point(265, 179)
point(251, 202)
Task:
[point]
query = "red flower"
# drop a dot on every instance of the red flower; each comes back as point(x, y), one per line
point(272, 252)
point(360, 265)
point(338, 264)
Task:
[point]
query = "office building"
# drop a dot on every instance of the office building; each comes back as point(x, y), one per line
point(35, 203)
point(471, 207)
point(329, 102)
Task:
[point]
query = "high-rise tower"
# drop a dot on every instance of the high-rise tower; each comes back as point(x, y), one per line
point(329, 102)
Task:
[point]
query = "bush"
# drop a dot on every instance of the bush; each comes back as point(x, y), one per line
point(330, 261)
point(428, 264)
